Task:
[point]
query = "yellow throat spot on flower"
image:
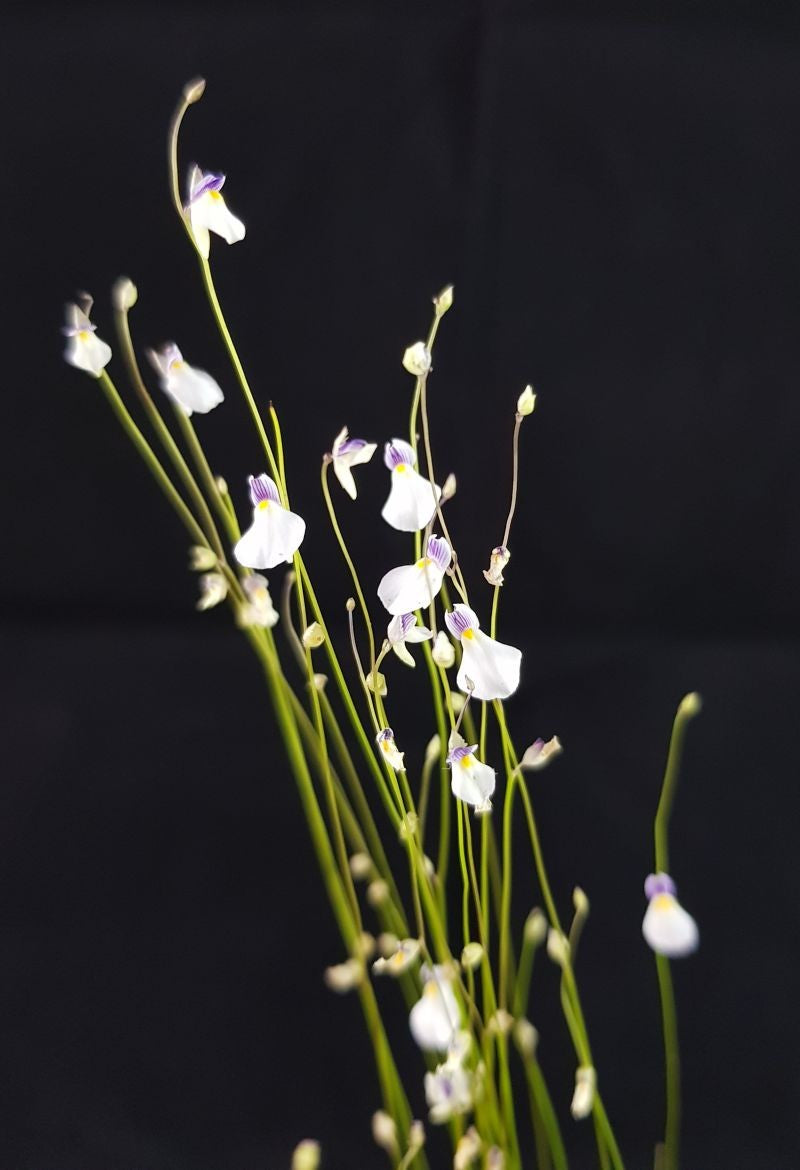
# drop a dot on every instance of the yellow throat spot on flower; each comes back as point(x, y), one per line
point(262, 505)
point(468, 634)
point(83, 335)
point(214, 195)
point(423, 563)
point(663, 901)
point(176, 365)
point(386, 744)
point(401, 467)
point(466, 762)
point(431, 989)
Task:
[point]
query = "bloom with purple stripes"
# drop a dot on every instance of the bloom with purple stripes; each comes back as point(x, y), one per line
point(195, 391)
point(489, 669)
point(412, 499)
point(411, 587)
point(84, 349)
point(347, 453)
point(275, 533)
point(388, 748)
point(667, 927)
point(401, 629)
point(470, 780)
point(208, 212)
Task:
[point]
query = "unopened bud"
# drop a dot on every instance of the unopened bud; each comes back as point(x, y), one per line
point(539, 754)
point(222, 485)
point(433, 750)
point(313, 636)
point(468, 1149)
point(201, 559)
point(526, 1037)
point(443, 300)
point(124, 294)
point(416, 1135)
point(376, 682)
point(535, 929)
point(500, 1023)
point(387, 944)
point(690, 704)
point(459, 701)
point(350, 605)
point(580, 902)
point(377, 892)
point(471, 956)
point(344, 976)
point(583, 1097)
point(194, 90)
point(448, 489)
point(365, 945)
point(320, 682)
point(306, 1155)
point(360, 866)
point(384, 1132)
point(417, 359)
point(443, 652)
point(558, 948)
point(526, 401)
point(408, 827)
point(495, 1159)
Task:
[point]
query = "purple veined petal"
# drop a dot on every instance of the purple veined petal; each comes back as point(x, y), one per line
point(659, 883)
point(440, 552)
point(263, 488)
point(384, 734)
point(399, 626)
point(458, 753)
point(460, 619)
point(200, 182)
point(349, 447)
point(398, 453)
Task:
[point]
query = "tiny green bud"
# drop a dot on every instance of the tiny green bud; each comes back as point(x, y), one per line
point(691, 704)
point(526, 402)
point(444, 300)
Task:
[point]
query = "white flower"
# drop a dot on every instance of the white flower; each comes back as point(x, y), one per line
point(385, 741)
point(207, 211)
point(539, 754)
point(470, 780)
point(349, 453)
point(497, 562)
point(667, 927)
point(448, 1091)
point(526, 401)
point(443, 653)
point(275, 534)
point(412, 501)
point(400, 960)
point(583, 1097)
point(491, 667)
point(417, 359)
point(195, 391)
point(401, 629)
point(410, 587)
point(435, 1017)
point(84, 349)
point(213, 590)
point(258, 610)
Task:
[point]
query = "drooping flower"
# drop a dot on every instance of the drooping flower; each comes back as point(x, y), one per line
point(258, 609)
point(403, 628)
point(412, 500)
point(448, 1091)
point(497, 562)
point(470, 780)
point(539, 754)
point(213, 590)
point(385, 741)
point(491, 667)
point(667, 927)
point(443, 653)
point(84, 349)
point(349, 453)
point(208, 211)
point(195, 391)
point(410, 587)
point(435, 1017)
point(275, 533)
point(406, 952)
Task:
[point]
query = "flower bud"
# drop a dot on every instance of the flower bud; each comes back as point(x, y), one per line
point(526, 1037)
point(443, 652)
point(495, 1159)
point(384, 1132)
point(194, 90)
point(124, 294)
point(360, 866)
point(558, 948)
point(306, 1155)
point(433, 750)
point(417, 359)
point(387, 944)
point(690, 704)
point(459, 701)
point(344, 976)
point(201, 559)
point(535, 929)
point(222, 485)
point(580, 902)
point(213, 590)
point(583, 1097)
point(539, 754)
point(448, 489)
point(500, 1023)
point(468, 1149)
point(313, 636)
point(416, 1135)
point(377, 892)
point(444, 300)
point(526, 402)
point(365, 945)
point(376, 682)
point(471, 956)
point(408, 827)
point(320, 682)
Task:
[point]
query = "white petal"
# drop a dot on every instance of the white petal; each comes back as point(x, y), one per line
point(492, 666)
point(403, 654)
point(201, 237)
point(418, 634)
point(194, 390)
point(274, 536)
point(345, 477)
point(668, 928)
point(211, 212)
point(407, 588)
point(435, 1017)
point(88, 353)
point(443, 652)
point(411, 502)
point(472, 781)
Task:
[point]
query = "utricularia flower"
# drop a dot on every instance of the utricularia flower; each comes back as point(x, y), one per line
point(435, 1017)
point(349, 453)
point(489, 669)
point(195, 391)
point(388, 748)
point(667, 927)
point(449, 1091)
point(410, 587)
point(213, 590)
point(275, 533)
point(401, 629)
point(470, 780)
point(412, 499)
point(84, 349)
point(208, 212)
point(258, 610)
point(539, 754)
point(497, 562)
point(398, 962)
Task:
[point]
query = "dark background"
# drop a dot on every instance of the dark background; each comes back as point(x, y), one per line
point(612, 191)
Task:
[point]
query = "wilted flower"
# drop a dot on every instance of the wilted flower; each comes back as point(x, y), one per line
point(213, 590)
point(497, 562)
point(435, 1017)
point(410, 587)
point(395, 964)
point(348, 453)
point(195, 391)
point(539, 754)
point(208, 212)
point(84, 349)
point(376, 683)
point(491, 666)
point(313, 636)
point(385, 741)
point(583, 1097)
point(401, 629)
point(417, 359)
point(258, 610)
point(275, 533)
point(443, 652)
point(470, 780)
point(667, 927)
point(412, 501)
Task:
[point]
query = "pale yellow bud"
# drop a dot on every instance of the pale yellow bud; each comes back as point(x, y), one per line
point(526, 1037)
point(583, 1097)
point(365, 945)
point(471, 956)
point(417, 359)
point(468, 1149)
point(360, 866)
point(377, 892)
point(387, 944)
point(691, 704)
point(201, 559)
point(444, 300)
point(376, 682)
point(433, 750)
point(313, 636)
point(194, 90)
point(306, 1155)
point(535, 928)
point(558, 948)
point(408, 827)
point(526, 402)
point(448, 488)
point(344, 976)
point(350, 605)
point(501, 1023)
point(443, 653)
point(580, 902)
point(384, 1132)
point(124, 294)
point(222, 485)
point(459, 702)
point(320, 682)
point(416, 1135)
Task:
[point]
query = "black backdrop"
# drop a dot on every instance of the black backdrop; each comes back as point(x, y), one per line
point(613, 194)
